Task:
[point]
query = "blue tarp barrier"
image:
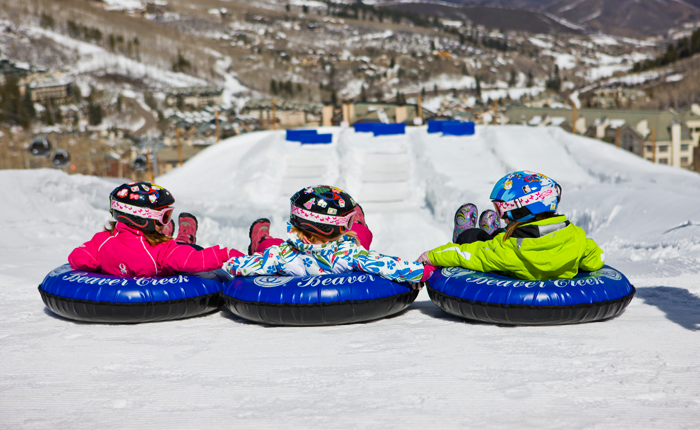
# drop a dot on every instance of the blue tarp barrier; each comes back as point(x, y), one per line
point(458, 129)
point(435, 126)
point(298, 135)
point(388, 129)
point(317, 139)
point(366, 127)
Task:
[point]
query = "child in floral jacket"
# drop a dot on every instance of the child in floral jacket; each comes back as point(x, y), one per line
point(323, 239)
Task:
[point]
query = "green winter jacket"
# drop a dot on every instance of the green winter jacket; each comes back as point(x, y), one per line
point(539, 250)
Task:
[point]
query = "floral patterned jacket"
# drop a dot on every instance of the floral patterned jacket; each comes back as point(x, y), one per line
point(296, 258)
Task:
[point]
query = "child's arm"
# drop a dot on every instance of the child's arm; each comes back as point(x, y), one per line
point(86, 257)
point(392, 268)
point(268, 262)
point(593, 258)
point(486, 256)
point(184, 258)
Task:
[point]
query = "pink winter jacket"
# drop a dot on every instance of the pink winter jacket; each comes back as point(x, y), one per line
point(128, 253)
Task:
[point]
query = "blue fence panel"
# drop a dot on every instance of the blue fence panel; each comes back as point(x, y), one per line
point(298, 135)
point(317, 139)
point(458, 129)
point(436, 125)
point(388, 129)
point(366, 127)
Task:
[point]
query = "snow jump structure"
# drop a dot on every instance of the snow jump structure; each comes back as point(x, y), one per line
point(492, 298)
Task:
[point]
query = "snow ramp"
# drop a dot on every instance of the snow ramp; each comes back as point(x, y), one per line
point(410, 185)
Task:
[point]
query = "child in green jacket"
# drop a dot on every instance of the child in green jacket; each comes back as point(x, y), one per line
point(537, 244)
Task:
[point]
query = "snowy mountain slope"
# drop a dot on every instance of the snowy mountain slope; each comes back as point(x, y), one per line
point(94, 58)
point(420, 369)
point(621, 17)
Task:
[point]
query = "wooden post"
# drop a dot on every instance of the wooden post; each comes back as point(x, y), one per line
point(149, 168)
point(400, 114)
point(495, 112)
point(216, 118)
point(573, 129)
point(327, 116)
point(617, 136)
point(274, 115)
point(120, 167)
point(179, 143)
point(346, 113)
point(653, 145)
point(420, 106)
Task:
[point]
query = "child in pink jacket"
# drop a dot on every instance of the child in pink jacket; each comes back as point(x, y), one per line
point(135, 245)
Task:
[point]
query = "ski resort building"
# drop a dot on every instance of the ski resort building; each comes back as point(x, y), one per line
point(195, 97)
point(663, 137)
point(387, 112)
point(56, 91)
point(288, 114)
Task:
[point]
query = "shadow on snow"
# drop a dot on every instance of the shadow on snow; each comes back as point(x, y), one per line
point(679, 304)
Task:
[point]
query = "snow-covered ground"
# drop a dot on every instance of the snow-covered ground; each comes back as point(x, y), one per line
point(419, 369)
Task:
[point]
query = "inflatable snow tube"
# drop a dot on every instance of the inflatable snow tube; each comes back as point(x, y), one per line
point(93, 297)
point(492, 298)
point(344, 298)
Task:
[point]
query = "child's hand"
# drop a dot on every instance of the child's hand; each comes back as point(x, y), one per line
point(424, 258)
point(428, 270)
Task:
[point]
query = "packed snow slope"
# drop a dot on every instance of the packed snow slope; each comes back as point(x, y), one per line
point(420, 369)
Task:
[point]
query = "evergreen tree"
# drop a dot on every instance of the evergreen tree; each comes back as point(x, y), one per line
point(513, 78)
point(94, 114)
point(13, 107)
point(49, 116)
point(59, 114)
point(554, 82)
point(29, 105)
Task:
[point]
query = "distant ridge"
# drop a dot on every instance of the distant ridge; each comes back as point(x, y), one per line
point(636, 18)
point(493, 16)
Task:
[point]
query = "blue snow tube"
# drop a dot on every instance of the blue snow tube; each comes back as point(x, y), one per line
point(343, 298)
point(493, 298)
point(94, 297)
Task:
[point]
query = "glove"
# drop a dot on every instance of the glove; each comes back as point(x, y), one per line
point(428, 270)
point(424, 258)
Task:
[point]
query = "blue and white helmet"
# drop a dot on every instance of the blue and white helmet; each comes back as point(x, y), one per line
point(519, 196)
